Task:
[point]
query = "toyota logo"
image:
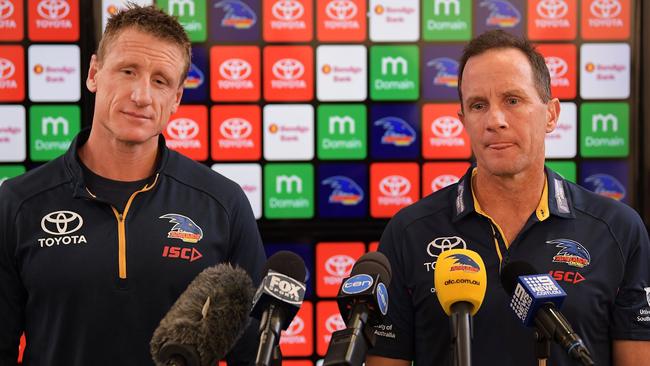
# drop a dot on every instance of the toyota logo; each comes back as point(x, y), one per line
point(235, 69)
point(439, 245)
point(339, 265)
point(6, 9)
point(61, 222)
point(341, 9)
point(442, 181)
point(334, 322)
point(288, 69)
point(605, 8)
point(296, 327)
point(182, 129)
point(7, 69)
point(287, 10)
point(552, 9)
point(53, 9)
point(446, 127)
point(557, 67)
point(236, 128)
point(395, 186)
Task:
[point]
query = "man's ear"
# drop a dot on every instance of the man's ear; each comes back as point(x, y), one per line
point(552, 114)
point(461, 116)
point(178, 97)
point(91, 81)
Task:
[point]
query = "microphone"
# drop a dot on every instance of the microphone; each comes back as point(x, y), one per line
point(535, 299)
point(206, 320)
point(363, 301)
point(460, 282)
point(277, 301)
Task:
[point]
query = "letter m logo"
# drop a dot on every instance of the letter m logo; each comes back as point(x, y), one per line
point(445, 6)
point(603, 122)
point(181, 6)
point(395, 64)
point(287, 184)
point(53, 124)
point(341, 124)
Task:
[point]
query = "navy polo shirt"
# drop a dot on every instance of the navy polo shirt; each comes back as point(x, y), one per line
point(595, 247)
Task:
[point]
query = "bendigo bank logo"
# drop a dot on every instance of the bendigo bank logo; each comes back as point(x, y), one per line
point(463, 263)
point(61, 224)
point(446, 71)
point(605, 185)
point(184, 228)
point(397, 132)
point(238, 14)
point(345, 191)
point(571, 253)
point(502, 13)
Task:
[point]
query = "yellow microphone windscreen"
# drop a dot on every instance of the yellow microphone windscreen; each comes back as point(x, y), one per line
point(460, 276)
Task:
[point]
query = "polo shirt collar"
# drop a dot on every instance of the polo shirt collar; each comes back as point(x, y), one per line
point(555, 198)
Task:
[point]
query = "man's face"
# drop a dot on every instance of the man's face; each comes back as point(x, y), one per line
point(137, 84)
point(503, 113)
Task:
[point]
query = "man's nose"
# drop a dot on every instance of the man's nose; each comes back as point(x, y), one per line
point(141, 94)
point(496, 119)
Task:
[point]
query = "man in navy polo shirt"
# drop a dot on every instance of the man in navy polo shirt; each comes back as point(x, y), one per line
point(509, 207)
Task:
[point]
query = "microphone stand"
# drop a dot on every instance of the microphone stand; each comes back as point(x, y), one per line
point(542, 347)
point(461, 333)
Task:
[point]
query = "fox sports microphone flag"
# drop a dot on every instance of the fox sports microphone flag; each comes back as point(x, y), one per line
point(206, 320)
point(460, 277)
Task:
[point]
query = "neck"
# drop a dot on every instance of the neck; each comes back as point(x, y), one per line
point(519, 194)
point(118, 160)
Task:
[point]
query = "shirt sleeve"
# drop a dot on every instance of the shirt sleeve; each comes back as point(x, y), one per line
point(12, 293)
point(394, 335)
point(246, 252)
point(631, 310)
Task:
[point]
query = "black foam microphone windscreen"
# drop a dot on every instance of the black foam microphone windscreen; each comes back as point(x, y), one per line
point(207, 318)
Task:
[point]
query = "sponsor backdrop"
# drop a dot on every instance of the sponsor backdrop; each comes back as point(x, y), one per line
point(332, 114)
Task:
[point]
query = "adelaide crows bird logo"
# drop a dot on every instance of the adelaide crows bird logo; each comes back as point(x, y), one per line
point(184, 228)
point(397, 132)
point(447, 71)
point(572, 253)
point(502, 13)
point(238, 14)
point(345, 191)
point(464, 263)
